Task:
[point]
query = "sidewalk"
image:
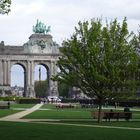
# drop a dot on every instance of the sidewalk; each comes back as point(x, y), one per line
point(17, 116)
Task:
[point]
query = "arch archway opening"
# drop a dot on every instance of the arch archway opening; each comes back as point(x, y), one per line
point(17, 80)
point(41, 82)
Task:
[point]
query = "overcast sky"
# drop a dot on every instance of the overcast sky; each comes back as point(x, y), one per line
point(62, 16)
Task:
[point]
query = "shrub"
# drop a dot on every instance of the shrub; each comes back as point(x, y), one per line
point(28, 101)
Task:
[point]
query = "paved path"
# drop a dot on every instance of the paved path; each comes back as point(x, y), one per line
point(17, 116)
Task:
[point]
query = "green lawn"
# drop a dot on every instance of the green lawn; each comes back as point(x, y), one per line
point(45, 131)
point(59, 114)
point(132, 124)
point(70, 113)
point(54, 113)
point(48, 106)
point(5, 112)
point(31, 131)
point(80, 116)
point(13, 107)
point(21, 105)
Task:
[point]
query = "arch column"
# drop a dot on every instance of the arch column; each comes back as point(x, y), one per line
point(8, 73)
point(1, 73)
point(53, 84)
point(4, 76)
point(27, 80)
point(4, 73)
point(48, 82)
point(25, 83)
point(32, 93)
point(30, 79)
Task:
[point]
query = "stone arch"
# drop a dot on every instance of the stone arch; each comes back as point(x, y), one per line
point(46, 66)
point(28, 56)
point(51, 70)
point(24, 66)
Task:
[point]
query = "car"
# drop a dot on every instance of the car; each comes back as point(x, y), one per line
point(53, 99)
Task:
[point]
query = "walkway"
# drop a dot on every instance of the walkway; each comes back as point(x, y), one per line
point(17, 116)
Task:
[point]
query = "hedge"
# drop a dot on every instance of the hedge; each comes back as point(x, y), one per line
point(28, 101)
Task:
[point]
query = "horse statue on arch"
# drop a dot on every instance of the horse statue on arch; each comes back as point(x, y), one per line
point(41, 28)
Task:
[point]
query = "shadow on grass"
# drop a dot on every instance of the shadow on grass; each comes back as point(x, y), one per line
point(122, 123)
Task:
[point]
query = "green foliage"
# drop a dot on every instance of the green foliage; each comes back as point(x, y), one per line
point(41, 88)
point(63, 89)
point(8, 98)
point(28, 101)
point(5, 6)
point(100, 60)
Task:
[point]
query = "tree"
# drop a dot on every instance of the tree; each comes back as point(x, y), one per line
point(5, 6)
point(100, 60)
point(63, 89)
point(41, 88)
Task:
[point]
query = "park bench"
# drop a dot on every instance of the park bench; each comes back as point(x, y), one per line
point(117, 115)
point(113, 115)
point(4, 106)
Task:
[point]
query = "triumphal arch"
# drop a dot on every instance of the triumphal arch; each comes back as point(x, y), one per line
point(40, 49)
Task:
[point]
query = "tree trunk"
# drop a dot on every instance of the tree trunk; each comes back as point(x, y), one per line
point(99, 113)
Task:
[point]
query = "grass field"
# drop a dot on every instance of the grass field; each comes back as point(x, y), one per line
point(132, 124)
point(14, 109)
point(52, 112)
point(59, 114)
point(21, 106)
point(31, 131)
point(5, 112)
point(81, 116)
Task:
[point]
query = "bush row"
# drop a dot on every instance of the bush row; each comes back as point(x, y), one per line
point(123, 103)
point(28, 101)
point(21, 100)
point(8, 98)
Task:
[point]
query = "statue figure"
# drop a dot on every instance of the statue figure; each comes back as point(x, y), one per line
point(41, 43)
point(41, 28)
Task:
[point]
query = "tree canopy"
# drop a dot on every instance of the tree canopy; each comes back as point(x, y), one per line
point(63, 89)
point(41, 88)
point(5, 6)
point(100, 59)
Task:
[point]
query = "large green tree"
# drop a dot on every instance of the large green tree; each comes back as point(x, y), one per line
point(5, 6)
point(100, 60)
